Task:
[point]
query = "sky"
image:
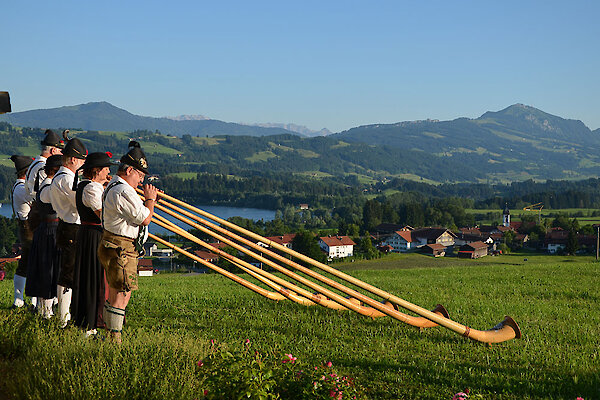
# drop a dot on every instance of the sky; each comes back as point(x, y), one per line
point(322, 64)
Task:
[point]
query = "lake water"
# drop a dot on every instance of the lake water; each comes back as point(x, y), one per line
point(223, 212)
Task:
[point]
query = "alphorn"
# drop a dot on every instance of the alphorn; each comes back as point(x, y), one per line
point(265, 277)
point(353, 303)
point(503, 331)
point(341, 301)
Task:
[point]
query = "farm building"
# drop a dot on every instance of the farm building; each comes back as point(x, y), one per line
point(434, 249)
point(473, 250)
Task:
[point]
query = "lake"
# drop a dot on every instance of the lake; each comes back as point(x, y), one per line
point(223, 212)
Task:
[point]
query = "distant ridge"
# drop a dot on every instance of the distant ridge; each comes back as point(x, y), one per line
point(301, 129)
point(103, 116)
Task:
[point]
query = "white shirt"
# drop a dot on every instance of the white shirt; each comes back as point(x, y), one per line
point(45, 193)
point(36, 166)
point(122, 209)
point(62, 196)
point(92, 195)
point(21, 201)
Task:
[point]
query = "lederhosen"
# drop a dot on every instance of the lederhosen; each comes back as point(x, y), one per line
point(44, 259)
point(25, 236)
point(66, 241)
point(118, 256)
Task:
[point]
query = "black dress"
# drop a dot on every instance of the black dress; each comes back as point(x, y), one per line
point(88, 282)
point(44, 257)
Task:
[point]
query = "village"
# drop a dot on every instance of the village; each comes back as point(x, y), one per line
point(468, 242)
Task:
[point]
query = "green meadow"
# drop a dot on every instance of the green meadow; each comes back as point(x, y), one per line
point(172, 319)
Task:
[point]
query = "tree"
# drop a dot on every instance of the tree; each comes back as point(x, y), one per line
point(306, 243)
point(572, 243)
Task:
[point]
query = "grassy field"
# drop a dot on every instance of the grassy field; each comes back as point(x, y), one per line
point(173, 317)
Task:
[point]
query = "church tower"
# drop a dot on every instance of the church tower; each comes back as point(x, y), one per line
point(506, 216)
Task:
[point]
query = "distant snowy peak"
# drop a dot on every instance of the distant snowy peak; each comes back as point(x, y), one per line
point(301, 129)
point(188, 118)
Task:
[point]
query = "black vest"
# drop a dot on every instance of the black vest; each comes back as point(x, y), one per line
point(45, 209)
point(85, 213)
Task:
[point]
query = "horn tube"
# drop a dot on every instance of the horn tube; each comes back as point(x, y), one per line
point(505, 330)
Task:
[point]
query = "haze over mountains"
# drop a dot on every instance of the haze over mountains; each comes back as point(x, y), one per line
point(517, 143)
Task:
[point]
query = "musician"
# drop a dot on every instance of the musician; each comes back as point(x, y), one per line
point(51, 145)
point(88, 291)
point(62, 197)
point(44, 257)
point(124, 218)
point(21, 204)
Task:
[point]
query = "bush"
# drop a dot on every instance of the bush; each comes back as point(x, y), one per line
point(258, 374)
point(9, 269)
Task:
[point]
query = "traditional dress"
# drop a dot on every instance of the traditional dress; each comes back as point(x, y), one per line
point(89, 287)
point(44, 260)
point(21, 203)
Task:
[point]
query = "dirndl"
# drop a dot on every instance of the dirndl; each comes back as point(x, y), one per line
point(44, 261)
point(88, 282)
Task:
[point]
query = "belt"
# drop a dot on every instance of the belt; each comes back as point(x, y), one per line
point(90, 223)
point(51, 219)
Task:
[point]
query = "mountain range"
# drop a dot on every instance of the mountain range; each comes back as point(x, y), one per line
point(517, 143)
point(103, 116)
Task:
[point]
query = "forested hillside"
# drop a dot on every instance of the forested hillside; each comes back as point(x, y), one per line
point(285, 170)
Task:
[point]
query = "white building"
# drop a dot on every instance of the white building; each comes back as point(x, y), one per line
point(337, 246)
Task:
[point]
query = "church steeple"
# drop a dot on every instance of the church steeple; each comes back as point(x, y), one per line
point(506, 216)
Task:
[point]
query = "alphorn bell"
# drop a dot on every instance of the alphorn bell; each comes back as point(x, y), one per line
point(505, 330)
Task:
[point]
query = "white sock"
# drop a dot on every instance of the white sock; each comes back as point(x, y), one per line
point(45, 308)
point(64, 302)
point(113, 317)
point(19, 283)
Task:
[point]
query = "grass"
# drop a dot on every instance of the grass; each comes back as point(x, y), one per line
point(172, 317)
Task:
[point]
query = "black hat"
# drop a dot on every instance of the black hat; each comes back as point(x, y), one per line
point(135, 157)
point(97, 160)
point(75, 148)
point(21, 162)
point(52, 139)
point(54, 161)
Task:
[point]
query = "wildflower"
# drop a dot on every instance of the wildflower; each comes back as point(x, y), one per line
point(579, 398)
point(329, 364)
point(247, 342)
point(205, 392)
point(291, 359)
point(200, 363)
point(332, 393)
point(460, 396)
point(212, 342)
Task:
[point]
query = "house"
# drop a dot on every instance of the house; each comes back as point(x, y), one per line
point(400, 241)
point(473, 250)
point(304, 206)
point(145, 267)
point(464, 238)
point(207, 256)
point(153, 250)
point(434, 249)
point(284, 240)
point(556, 240)
point(337, 246)
point(406, 240)
point(441, 236)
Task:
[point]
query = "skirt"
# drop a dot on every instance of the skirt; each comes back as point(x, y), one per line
point(44, 262)
point(88, 280)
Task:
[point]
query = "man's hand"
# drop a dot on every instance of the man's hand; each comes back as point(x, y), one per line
point(150, 192)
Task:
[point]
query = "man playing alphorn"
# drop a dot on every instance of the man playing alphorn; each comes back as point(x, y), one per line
point(62, 197)
point(124, 218)
point(21, 204)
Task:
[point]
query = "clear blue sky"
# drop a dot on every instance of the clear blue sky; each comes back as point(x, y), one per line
point(334, 64)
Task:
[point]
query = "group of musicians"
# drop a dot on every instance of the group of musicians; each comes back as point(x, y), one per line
point(81, 237)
